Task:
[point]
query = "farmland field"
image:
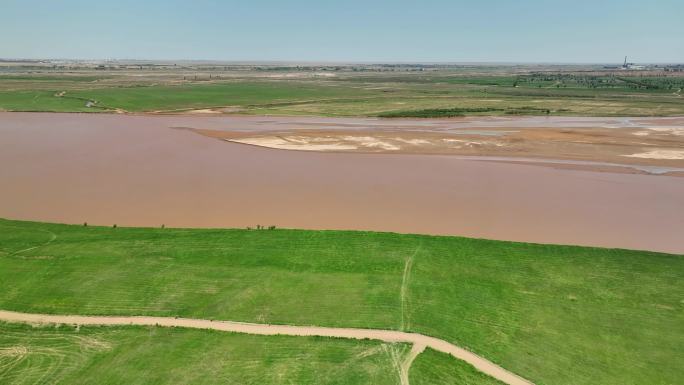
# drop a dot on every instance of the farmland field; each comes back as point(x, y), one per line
point(345, 91)
point(552, 314)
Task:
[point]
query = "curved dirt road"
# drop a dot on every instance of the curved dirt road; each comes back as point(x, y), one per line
point(418, 340)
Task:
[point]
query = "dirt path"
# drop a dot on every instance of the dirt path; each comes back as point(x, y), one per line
point(419, 341)
point(416, 349)
point(405, 309)
point(53, 236)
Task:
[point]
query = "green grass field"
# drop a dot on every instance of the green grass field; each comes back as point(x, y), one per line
point(553, 314)
point(40, 101)
point(148, 355)
point(427, 94)
point(435, 368)
point(194, 96)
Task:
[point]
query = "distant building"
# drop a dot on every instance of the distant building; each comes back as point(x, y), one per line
point(632, 66)
point(626, 66)
point(674, 68)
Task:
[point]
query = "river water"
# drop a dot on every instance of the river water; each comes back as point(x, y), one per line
point(137, 171)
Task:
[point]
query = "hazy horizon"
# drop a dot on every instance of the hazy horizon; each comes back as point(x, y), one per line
point(320, 62)
point(303, 31)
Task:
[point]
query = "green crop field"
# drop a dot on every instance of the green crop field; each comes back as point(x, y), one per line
point(552, 314)
point(296, 91)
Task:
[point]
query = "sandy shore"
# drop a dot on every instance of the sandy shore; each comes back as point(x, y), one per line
point(137, 171)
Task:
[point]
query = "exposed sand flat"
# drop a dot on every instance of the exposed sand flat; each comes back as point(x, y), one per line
point(285, 144)
point(659, 154)
point(371, 142)
point(601, 140)
point(135, 171)
point(419, 341)
point(416, 142)
point(678, 131)
point(204, 111)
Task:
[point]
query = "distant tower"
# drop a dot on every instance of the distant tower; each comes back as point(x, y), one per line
point(625, 65)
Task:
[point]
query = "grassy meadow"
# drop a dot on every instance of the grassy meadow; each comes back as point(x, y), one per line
point(435, 368)
point(553, 314)
point(148, 355)
point(292, 91)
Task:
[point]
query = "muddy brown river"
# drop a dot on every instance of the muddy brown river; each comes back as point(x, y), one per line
point(138, 171)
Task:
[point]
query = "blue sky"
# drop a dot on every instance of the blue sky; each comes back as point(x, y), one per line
point(575, 31)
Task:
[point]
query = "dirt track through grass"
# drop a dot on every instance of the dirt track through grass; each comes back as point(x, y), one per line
point(416, 349)
point(418, 340)
point(547, 313)
point(53, 236)
point(405, 308)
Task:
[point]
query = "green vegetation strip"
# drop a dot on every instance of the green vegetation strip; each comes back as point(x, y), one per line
point(438, 94)
point(452, 112)
point(552, 314)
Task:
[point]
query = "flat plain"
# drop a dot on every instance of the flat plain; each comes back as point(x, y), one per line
point(349, 90)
